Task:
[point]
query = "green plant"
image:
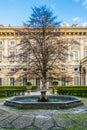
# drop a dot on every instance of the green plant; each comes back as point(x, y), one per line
point(53, 90)
point(28, 83)
point(55, 83)
point(34, 88)
point(73, 90)
point(6, 91)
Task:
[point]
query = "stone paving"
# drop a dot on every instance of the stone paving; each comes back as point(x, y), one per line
point(15, 119)
point(18, 119)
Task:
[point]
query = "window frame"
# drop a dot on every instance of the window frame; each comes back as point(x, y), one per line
point(12, 45)
point(1, 44)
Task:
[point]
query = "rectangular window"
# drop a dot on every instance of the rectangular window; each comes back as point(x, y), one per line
point(24, 69)
point(12, 56)
point(76, 80)
point(12, 81)
point(0, 81)
point(37, 82)
point(12, 69)
point(50, 83)
point(63, 81)
point(75, 55)
point(24, 57)
point(0, 43)
point(85, 53)
point(12, 43)
point(24, 81)
point(0, 56)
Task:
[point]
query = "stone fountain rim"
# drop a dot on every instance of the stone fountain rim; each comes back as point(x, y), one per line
point(75, 99)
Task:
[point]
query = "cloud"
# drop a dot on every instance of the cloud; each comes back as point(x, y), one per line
point(84, 3)
point(76, 19)
point(84, 24)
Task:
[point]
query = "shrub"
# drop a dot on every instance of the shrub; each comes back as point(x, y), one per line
point(73, 90)
point(34, 88)
point(53, 90)
point(12, 90)
point(55, 83)
point(28, 83)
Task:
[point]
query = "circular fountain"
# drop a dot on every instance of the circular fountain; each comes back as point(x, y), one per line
point(52, 102)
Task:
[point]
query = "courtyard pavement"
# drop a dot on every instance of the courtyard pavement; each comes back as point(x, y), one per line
point(15, 119)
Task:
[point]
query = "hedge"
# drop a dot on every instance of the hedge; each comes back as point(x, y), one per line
point(12, 90)
point(34, 88)
point(72, 90)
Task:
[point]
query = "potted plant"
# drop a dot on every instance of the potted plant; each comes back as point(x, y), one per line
point(28, 86)
point(55, 85)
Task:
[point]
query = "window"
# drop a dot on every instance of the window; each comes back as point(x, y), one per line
point(63, 56)
point(0, 81)
point(12, 69)
point(0, 43)
point(25, 57)
point(75, 55)
point(76, 80)
point(63, 69)
point(63, 81)
point(75, 42)
point(37, 82)
point(0, 56)
point(24, 81)
point(12, 56)
point(50, 83)
point(85, 53)
point(12, 81)
point(12, 43)
point(76, 69)
point(24, 69)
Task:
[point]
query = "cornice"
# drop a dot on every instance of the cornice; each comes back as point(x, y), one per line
point(65, 31)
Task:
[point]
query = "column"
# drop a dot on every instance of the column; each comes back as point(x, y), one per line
point(81, 49)
point(5, 53)
point(86, 78)
point(69, 50)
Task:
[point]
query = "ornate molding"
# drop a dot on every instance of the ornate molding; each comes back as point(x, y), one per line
point(65, 31)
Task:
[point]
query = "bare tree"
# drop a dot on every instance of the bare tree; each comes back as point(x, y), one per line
point(42, 49)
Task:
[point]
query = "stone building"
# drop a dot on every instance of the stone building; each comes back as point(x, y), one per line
point(77, 60)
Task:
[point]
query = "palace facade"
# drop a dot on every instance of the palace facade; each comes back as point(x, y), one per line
point(77, 63)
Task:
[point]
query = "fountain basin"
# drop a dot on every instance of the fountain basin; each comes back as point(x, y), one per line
point(55, 102)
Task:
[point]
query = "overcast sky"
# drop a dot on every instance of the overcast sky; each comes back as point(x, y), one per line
point(15, 12)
